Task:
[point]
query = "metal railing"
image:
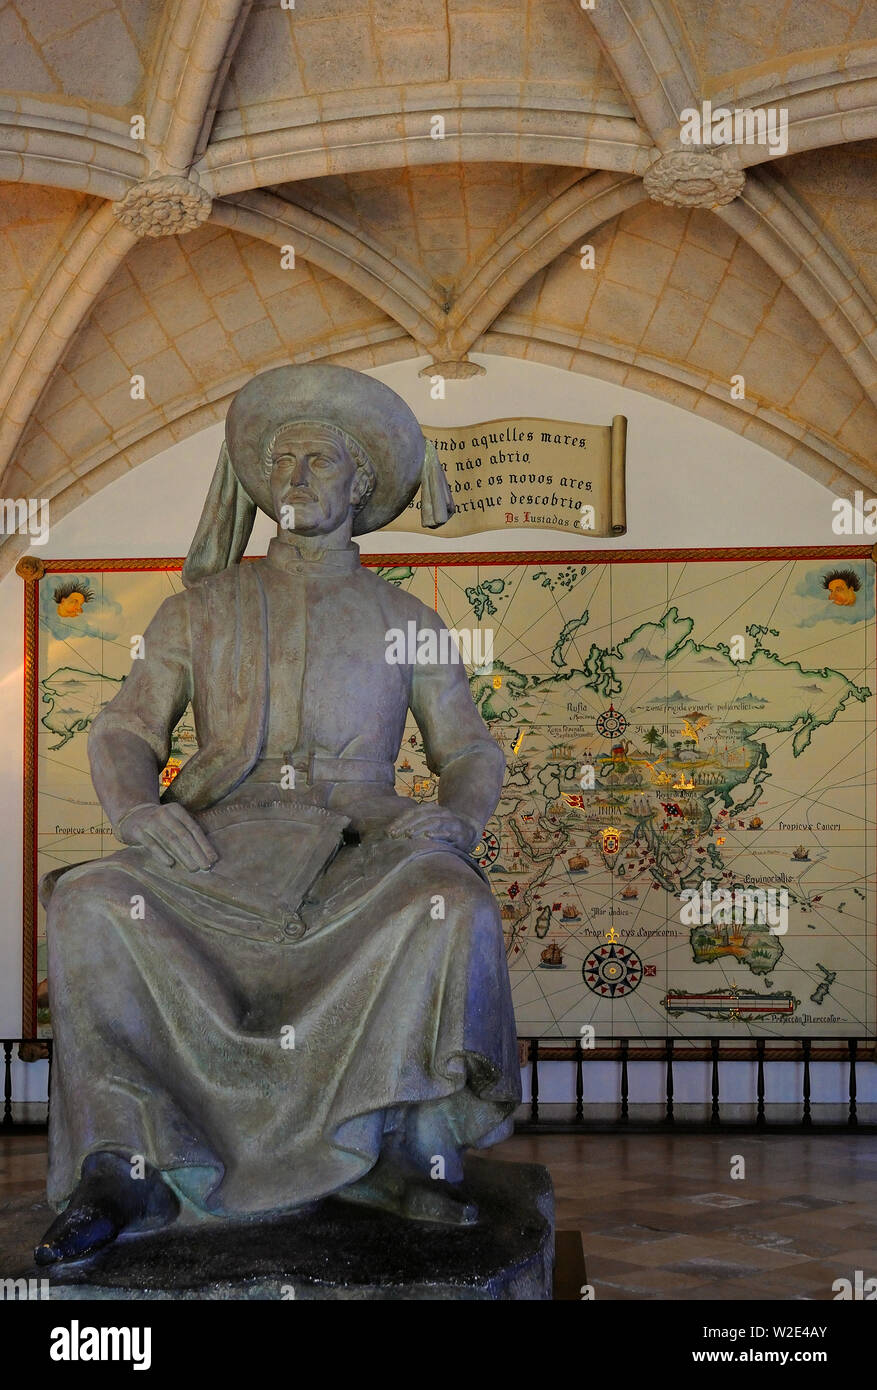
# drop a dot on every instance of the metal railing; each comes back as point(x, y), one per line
point(40, 1049)
point(671, 1052)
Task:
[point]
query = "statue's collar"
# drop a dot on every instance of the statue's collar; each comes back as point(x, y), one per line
point(287, 555)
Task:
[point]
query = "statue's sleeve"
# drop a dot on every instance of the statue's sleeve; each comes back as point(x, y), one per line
point(130, 739)
point(458, 745)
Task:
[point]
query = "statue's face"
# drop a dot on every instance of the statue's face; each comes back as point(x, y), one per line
point(313, 480)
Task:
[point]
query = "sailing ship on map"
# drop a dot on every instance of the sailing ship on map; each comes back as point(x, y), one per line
point(551, 958)
point(570, 913)
point(578, 863)
point(801, 853)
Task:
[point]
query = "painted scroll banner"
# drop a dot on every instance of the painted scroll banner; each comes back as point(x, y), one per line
point(531, 474)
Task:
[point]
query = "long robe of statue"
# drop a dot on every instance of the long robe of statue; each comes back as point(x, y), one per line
point(257, 1065)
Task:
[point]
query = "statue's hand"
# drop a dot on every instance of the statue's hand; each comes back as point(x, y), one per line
point(437, 823)
point(171, 834)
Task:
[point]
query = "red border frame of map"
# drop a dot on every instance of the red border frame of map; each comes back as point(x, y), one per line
point(32, 569)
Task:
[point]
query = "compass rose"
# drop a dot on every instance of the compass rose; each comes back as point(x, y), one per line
point(610, 723)
point(487, 850)
point(612, 971)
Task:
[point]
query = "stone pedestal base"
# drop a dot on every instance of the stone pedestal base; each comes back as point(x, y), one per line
point(340, 1251)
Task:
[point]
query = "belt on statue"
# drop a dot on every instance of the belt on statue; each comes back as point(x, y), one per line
point(318, 768)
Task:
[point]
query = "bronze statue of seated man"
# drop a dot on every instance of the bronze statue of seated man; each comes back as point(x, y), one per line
point(292, 982)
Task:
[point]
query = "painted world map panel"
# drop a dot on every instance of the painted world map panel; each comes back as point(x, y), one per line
point(87, 619)
point(727, 712)
point(684, 740)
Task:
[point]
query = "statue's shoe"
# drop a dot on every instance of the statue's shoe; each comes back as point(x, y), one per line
point(77, 1232)
point(391, 1188)
point(106, 1201)
point(438, 1201)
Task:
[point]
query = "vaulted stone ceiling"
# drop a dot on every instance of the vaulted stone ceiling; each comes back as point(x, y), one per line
point(154, 247)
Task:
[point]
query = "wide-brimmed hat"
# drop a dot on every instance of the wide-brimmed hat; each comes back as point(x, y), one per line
point(380, 424)
point(383, 426)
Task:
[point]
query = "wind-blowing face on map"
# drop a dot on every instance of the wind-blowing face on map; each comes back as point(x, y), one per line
point(76, 608)
point(841, 595)
point(71, 598)
point(842, 586)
